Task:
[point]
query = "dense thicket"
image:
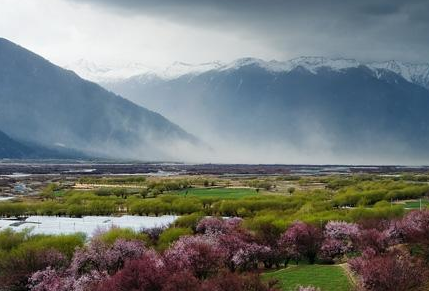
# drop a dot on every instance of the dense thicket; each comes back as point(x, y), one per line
point(217, 254)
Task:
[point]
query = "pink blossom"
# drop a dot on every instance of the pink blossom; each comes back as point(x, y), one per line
point(374, 239)
point(333, 248)
point(341, 230)
point(339, 237)
point(90, 265)
point(48, 280)
point(101, 257)
point(216, 226)
point(394, 270)
point(88, 281)
point(301, 240)
point(199, 254)
point(211, 225)
point(247, 257)
point(416, 225)
point(145, 273)
point(233, 222)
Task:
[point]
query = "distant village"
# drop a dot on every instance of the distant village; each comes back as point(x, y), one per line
point(17, 185)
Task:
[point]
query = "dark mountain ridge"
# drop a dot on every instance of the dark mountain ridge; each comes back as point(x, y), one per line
point(45, 104)
point(12, 149)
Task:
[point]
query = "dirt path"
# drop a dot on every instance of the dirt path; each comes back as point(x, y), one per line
point(349, 274)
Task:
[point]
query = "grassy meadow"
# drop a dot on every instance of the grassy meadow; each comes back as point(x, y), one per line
point(325, 277)
point(221, 193)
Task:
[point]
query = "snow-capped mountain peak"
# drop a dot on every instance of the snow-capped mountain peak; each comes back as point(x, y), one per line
point(112, 73)
point(272, 66)
point(178, 69)
point(242, 62)
point(88, 66)
point(315, 63)
point(415, 73)
point(312, 64)
point(106, 73)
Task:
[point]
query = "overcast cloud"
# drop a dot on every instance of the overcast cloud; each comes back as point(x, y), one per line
point(162, 31)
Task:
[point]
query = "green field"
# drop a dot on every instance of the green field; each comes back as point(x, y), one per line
point(233, 193)
point(416, 204)
point(326, 277)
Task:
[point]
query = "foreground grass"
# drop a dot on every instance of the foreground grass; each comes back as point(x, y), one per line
point(416, 204)
point(326, 277)
point(223, 193)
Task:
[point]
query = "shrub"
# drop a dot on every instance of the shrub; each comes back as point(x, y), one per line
point(197, 254)
point(373, 239)
point(10, 239)
point(114, 233)
point(149, 206)
point(189, 221)
point(338, 239)
point(90, 265)
point(104, 258)
point(395, 270)
point(301, 240)
point(26, 253)
point(19, 264)
point(145, 273)
point(186, 205)
point(170, 235)
point(181, 281)
point(211, 225)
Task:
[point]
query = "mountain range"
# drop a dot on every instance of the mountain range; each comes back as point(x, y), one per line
point(415, 73)
point(50, 107)
point(306, 110)
point(310, 109)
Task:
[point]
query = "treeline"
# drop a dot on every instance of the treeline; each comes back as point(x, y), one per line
point(369, 193)
point(339, 182)
point(315, 206)
point(76, 205)
point(367, 197)
point(134, 180)
point(168, 183)
point(260, 184)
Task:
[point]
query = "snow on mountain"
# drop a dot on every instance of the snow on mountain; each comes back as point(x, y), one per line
point(415, 73)
point(312, 64)
point(111, 73)
point(271, 66)
point(315, 63)
point(106, 73)
point(178, 69)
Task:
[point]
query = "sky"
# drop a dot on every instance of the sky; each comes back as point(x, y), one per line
point(159, 32)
